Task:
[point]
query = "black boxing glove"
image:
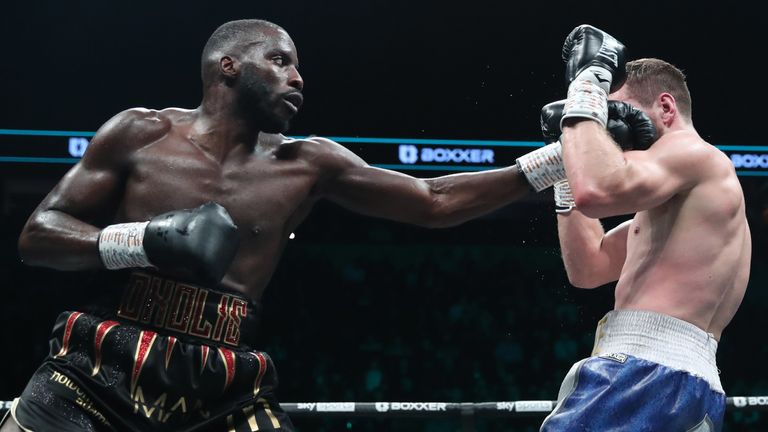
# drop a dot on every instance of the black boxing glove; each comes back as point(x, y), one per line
point(197, 244)
point(631, 128)
point(543, 167)
point(595, 66)
point(627, 125)
point(592, 54)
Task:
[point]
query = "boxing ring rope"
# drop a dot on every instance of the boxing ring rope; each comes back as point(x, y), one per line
point(521, 408)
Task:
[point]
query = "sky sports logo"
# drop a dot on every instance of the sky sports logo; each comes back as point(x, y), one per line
point(410, 154)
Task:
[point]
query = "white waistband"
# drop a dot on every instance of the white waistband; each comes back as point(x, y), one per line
point(661, 339)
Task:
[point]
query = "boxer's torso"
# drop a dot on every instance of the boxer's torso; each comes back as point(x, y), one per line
point(689, 257)
point(266, 188)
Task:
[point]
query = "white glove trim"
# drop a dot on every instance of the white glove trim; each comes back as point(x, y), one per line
point(122, 246)
point(543, 167)
point(564, 201)
point(587, 100)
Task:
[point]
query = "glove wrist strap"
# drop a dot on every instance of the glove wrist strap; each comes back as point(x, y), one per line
point(586, 100)
point(564, 201)
point(543, 167)
point(122, 246)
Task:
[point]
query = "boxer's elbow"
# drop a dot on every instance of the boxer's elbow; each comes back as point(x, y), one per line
point(581, 272)
point(436, 207)
point(36, 241)
point(593, 201)
point(437, 213)
point(589, 277)
point(28, 246)
point(603, 196)
point(582, 280)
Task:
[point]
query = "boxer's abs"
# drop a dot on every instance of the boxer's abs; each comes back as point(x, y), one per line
point(686, 265)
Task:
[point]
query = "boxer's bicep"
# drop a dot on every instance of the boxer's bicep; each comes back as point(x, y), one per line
point(350, 182)
point(587, 250)
point(434, 202)
point(91, 189)
point(656, 175)
point(62, 232)
point(86, 193)
point(382, 193)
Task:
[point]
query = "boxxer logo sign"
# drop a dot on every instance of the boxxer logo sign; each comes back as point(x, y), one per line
point(747, 160)
point(410, 154)
point(741, 401)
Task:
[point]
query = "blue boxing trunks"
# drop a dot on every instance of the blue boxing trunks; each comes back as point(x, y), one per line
point(171, 357)
point(648, 372)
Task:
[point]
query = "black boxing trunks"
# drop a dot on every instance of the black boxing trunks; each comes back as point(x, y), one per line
point(172, 357)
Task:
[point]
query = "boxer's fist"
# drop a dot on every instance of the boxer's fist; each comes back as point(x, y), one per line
point(197, 243)
point(594, 55)
point(627, 125)
point(631, 128)
point(551, 115)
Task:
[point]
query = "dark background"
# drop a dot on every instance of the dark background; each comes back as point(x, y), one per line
point(364, 309)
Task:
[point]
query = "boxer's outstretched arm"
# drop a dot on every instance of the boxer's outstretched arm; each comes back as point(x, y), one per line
point(61, 233)
point(592, 257)
point(434, 202)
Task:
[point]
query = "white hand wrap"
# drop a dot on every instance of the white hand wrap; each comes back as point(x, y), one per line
point(543, 167)
point(586, 99)
point(564, 201)
point(122, 246)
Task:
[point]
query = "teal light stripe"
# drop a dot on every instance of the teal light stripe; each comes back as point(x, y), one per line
point(50, 160)
point(29, 132)
point(752, 173)
point(427, 141)
point(423, 141)
point(370, 140)
point(432, 167)
point(742, 148)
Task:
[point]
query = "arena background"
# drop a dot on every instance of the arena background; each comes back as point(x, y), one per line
point(362, 309)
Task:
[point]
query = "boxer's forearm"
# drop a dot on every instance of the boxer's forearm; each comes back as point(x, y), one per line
point(458, 198)
point(434, 203)
point(580, 243)
point(594, 164)
point(54, 239)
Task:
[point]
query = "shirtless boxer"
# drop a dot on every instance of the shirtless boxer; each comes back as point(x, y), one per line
point(682, 263)
point(194, 207)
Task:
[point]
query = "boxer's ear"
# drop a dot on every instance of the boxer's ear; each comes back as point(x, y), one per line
point(229, 68)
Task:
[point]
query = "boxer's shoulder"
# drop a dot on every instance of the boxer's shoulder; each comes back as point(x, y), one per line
point(134, 128)
point(329, 154)
point(309, 143)
point(319, 151)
